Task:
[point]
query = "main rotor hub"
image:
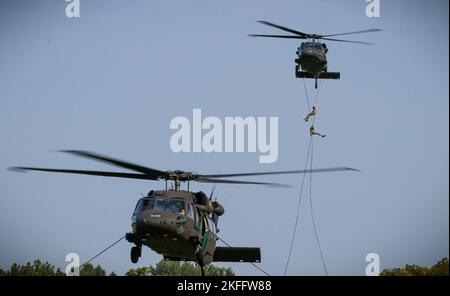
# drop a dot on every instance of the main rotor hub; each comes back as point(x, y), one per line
point(314, 36)
point(179, 175)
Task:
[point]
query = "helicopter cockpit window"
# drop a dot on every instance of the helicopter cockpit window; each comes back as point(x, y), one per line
point(174, 206)
point(139, 205)
point(148, 204)
point(190, 211)
point(196, 218)
point(144, 204)
point(160, 205)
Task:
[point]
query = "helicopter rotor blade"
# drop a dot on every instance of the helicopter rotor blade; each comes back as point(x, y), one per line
point(84, 172)
point(145, 170)
point(210, 180)
point(152, 174)
point(322, 170)
point(304, 35)
point(351, 33)
point(347, 41)
point(277, 36)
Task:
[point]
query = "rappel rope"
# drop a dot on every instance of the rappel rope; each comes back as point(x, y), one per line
point(106, 249)
point(310, 194)
point(312, 211)
point(294, 231)
point(309, 159)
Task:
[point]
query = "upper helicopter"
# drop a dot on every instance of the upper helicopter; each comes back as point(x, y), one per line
point(178, 224)
point(312, 54)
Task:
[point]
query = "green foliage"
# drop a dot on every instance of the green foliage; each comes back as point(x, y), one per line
point(439, 269)
point(213, 270)
point(36, 269)
point(408, 270)
point(162, 268)
point(90, 270)
point(179, 268)
point(46, 269)
point(141, 271)
point(174, 268)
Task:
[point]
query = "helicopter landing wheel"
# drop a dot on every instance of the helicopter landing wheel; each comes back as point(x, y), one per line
point(135, 254)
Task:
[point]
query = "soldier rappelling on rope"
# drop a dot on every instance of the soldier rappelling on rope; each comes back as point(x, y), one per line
point(313, 132)
point(312, 113)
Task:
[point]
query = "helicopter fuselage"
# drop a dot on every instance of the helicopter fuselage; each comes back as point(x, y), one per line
point(312, 57)
point(170, 223)
point(180, 225)
point(312, 61)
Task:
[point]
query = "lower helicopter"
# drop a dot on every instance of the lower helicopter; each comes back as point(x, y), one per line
point(180, 225)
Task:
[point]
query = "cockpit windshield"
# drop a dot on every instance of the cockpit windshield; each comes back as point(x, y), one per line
point(144, 204)
point(161, 205)
point(174, 205)
point(313, 46)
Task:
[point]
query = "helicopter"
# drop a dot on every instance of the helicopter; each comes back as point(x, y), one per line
point(312, 55)
point(180, 225)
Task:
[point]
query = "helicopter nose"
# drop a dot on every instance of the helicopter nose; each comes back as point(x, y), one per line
point(153, 222)
point(146, 221)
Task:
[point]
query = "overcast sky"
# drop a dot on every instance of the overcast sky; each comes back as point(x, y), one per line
point(112, 80)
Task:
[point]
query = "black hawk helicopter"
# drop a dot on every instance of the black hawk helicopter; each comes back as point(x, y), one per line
point(177, 224)
point(312, 55)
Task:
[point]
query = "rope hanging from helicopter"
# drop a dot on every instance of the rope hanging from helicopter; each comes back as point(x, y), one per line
point(313, 220)
point(309, 160)
point(101, 252)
